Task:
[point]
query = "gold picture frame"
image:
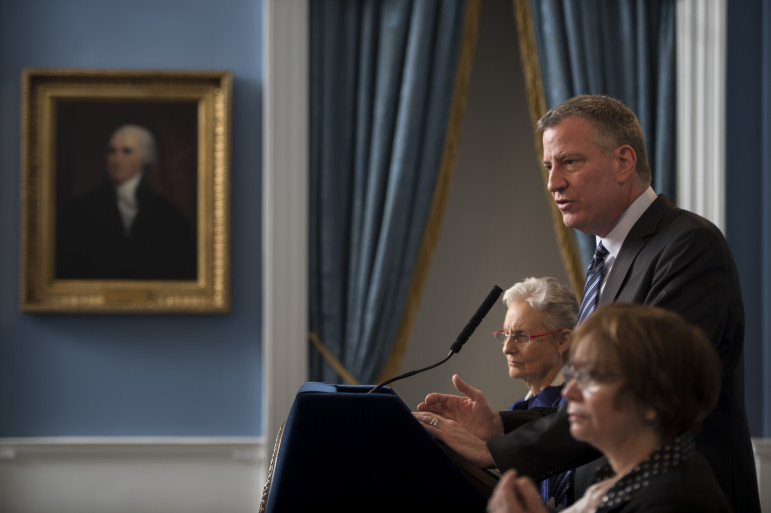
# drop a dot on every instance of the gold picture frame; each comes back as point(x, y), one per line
point(168, 251)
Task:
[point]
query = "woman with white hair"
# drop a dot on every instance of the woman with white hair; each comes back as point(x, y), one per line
point(537, 330)
point(540, 316)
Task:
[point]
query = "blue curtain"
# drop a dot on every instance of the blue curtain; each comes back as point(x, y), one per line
point(748, 192)
point(382, 79)
point(764, 400)
point(621, 48)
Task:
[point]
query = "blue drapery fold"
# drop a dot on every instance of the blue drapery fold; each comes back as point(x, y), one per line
point(382, 79)
point(765, 181)
point(748, 191)
point(621, 48)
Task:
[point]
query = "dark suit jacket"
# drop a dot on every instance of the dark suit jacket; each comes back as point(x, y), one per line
point(676, 260)
point(92, 243)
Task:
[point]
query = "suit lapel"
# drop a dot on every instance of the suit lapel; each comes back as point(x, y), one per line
point(635, 241)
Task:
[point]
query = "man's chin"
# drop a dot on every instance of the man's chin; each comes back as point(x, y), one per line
point(571, 222)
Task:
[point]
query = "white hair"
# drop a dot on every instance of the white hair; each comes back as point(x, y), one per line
point(546, 295)
point(146, 144)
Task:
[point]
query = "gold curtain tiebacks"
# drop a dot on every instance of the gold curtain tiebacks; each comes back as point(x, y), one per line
point(338, 367)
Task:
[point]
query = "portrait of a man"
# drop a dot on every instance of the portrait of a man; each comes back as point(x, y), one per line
point(122, 228)
point(125, 191)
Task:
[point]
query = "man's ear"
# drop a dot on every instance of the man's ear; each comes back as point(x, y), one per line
point(626, 158)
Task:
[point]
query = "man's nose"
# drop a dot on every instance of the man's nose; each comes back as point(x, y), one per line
point(556, 181)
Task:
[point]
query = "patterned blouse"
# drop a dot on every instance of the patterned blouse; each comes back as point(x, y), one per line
point(605, 495)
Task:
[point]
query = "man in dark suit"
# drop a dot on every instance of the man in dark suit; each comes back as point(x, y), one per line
point(123, 230)
point(656, 254)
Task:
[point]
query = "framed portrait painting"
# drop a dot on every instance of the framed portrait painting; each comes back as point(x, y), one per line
point(125, 191)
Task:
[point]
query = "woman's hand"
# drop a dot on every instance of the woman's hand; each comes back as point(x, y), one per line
point(515, 494)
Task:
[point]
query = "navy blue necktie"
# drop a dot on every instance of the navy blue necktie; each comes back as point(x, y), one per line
point(594, 276)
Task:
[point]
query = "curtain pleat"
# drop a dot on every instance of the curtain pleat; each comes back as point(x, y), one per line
point(382, 83)
point(537, 106)
point(441, 191)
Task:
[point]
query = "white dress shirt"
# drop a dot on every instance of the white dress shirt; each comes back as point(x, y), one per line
point(614, 239)
point(127, 201)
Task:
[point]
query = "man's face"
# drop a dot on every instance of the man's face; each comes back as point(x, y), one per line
point(583, 179)
point(124, 157)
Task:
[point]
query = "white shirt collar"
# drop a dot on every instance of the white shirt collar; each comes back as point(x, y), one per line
point(615, 237)
point(127, 201)
point(128, 189)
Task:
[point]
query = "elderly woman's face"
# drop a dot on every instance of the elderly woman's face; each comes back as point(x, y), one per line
point(597, 413)
point(533, 362)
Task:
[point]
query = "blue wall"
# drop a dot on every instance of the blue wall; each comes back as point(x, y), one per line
point(63, 375)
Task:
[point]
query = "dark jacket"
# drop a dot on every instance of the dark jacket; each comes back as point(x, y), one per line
point(92, 243)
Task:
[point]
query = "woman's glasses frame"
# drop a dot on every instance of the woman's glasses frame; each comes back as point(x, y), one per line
point(520, 337)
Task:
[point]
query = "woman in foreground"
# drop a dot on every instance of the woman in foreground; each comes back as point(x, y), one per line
point(640, 382)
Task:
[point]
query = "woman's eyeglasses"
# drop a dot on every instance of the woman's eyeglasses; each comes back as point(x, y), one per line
point(520, 337)
point(585, 379)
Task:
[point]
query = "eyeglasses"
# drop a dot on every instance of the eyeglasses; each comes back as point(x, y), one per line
point(586, 379)
point(520, 337)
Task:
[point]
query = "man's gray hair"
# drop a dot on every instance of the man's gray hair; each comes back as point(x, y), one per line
point(614, 124)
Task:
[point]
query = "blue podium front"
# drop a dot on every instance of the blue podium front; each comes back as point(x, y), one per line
point(343, 449)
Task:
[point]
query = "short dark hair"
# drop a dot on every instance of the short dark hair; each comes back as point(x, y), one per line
point(668, 364)
point(614, 124)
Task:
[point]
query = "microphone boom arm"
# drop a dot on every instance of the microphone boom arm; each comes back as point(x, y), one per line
point(411, 373)
point(464, 335)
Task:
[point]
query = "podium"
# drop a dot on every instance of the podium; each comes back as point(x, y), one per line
point(342, 449)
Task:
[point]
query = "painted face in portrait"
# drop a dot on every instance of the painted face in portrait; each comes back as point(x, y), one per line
point(124, 156)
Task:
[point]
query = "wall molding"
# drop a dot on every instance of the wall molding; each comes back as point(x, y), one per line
point(285, 208)
point(762, 448)
point(132, 475)
point(238, 449)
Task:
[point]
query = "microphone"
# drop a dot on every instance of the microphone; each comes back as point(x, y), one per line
point(462, 338)
point(472, 324)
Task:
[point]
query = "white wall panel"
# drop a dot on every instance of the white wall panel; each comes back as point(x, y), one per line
point(116, 475)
